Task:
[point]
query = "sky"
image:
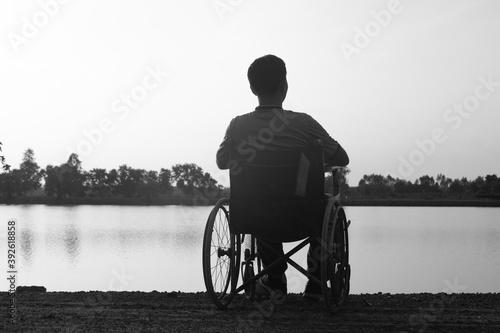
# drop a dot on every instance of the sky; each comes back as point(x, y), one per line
point(408, 88)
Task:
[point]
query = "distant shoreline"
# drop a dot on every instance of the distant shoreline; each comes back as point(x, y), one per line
point(119, 201)
point(188, 201)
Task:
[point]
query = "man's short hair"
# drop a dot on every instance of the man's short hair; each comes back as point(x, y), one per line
point(266, 74)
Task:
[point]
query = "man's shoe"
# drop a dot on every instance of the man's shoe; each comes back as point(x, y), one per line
point(313, 291)
point(271, 286)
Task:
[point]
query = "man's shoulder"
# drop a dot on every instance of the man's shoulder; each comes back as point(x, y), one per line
point(298, 118)
point(297, 114)
point(273, 117)
point(272, 113)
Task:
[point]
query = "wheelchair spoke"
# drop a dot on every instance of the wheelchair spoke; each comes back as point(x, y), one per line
point(218, 270)
point(218, 273)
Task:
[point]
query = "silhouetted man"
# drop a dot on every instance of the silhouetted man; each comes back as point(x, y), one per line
point(291, 131)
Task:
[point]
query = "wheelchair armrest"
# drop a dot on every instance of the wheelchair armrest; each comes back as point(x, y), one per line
point(332, 168)
point(335, 172)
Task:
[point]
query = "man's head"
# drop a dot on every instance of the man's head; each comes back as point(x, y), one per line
point(267, 76)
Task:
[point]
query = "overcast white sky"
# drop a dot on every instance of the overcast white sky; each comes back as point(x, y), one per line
point(380, 76)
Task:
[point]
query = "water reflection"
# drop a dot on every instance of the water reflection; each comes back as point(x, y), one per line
point(27, 245)
point(71, 240)
point(186, 240)
point(27, 238)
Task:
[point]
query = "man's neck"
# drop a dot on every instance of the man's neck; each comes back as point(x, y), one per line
point(270, 100)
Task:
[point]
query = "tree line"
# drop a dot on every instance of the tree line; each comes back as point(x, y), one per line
point(70, 179)
point(375, 185)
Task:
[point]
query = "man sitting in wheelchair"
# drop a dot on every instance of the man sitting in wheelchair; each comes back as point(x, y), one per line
point(270, 128)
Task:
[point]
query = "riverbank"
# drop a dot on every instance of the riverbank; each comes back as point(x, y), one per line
point(203, 201)
point(194, 312)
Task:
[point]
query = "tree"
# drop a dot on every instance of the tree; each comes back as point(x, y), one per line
point(477, 185)
point(402, 186)
point(73, 178)
point(189, 177)
point(443, 182)
point(426, 181)
point(164, 179)
point(491, 184)
point(5, 166)
point(377, 185)
point(112, 180)
point(74, 162)
point(457, 187)
point(496, 186)
point(5, 178)
point(10, 183)
point(129, 180)
point(66, 179)
point(53, 184)
point(98, 181)
point(30, 173)
point(149, 186)
point(426, 184)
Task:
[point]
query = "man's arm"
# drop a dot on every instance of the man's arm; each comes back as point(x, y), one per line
point(334, 153)
point(222, 157)
point(340, 158)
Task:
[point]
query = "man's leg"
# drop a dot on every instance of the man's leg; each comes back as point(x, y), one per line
point(275, 281)
point(313, 257)
point(313, 290)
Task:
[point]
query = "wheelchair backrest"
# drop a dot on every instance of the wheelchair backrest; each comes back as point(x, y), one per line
point(278, 195)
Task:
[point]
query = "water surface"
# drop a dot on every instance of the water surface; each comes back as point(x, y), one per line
point(392, 249)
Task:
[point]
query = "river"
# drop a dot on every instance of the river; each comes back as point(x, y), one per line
point(392, 249)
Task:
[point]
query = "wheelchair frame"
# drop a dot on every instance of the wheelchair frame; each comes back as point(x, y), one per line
point(222, 256)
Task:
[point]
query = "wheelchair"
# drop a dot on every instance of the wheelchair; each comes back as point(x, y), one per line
point(277, 196)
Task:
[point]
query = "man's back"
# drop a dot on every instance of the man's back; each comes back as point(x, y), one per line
point(271, 128)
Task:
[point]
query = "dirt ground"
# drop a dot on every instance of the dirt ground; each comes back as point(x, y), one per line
point(195, 312)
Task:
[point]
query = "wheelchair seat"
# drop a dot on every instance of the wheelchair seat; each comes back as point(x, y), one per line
point(279, 195)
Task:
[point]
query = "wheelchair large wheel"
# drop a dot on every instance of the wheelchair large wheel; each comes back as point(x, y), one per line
point(335, 269)
point(221, 255)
